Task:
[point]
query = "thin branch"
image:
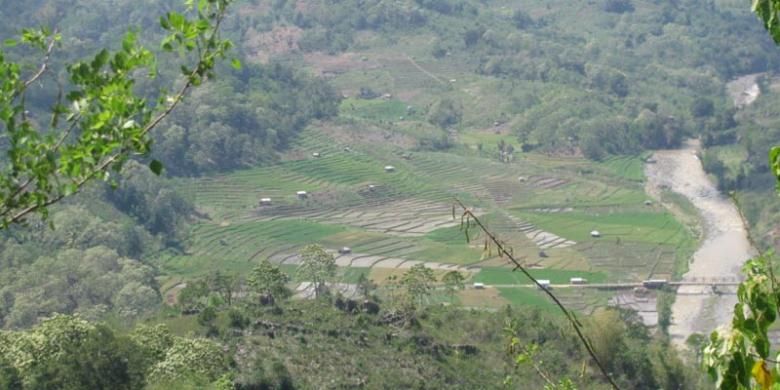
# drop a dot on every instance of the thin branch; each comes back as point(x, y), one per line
point(29, 180)
point(45, 64)
point(577, 327)
point(66, 133)
point(537, 368)
point(764, 359)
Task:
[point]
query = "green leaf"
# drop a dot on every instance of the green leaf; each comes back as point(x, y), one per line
point(164, 23)
point(100, 60)
point(156, 167)
point(129, 41)
point(236, 64)
point(167, 46)
point(177, 20)
point(10, 42)
point(774, 163)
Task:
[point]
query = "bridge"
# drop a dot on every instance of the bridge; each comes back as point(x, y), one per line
point(717, 285)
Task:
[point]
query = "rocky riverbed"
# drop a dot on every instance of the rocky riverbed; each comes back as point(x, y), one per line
point(724, 247)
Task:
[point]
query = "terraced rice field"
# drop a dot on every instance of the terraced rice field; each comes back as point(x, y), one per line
point(499, 276)
point(544, 208)
point(631, 168)
point(583, 301)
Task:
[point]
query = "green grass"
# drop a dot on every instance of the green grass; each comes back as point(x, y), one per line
point(652, 227)
point(448, 245)
point(499, 275)
point(440, 253)
point(451, 235)
point(379, 109)
point(207, 237)
point(583, 301)
point(528, 297)
point(237, 247)
point(631, 168)
point(489, 140)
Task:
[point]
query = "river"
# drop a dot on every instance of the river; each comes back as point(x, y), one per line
point(724, 247)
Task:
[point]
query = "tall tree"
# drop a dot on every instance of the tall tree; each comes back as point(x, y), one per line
point(224, 285)
point(269, 281)
point(317, 267)
point(365, 286)
point(418, 282)
point(454, 281)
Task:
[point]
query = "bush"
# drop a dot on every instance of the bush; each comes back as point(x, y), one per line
point(702, 107)
point(207, 316)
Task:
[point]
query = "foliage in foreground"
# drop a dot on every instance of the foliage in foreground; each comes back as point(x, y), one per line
point(68, 352)
point(305, 344)
point(100, 119)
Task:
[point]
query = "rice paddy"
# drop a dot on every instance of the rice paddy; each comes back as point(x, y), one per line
point(543, 206)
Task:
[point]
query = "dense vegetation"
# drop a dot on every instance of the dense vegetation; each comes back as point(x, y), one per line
point(633, 77)
point(242, 120)
point(281, 345)
point(737, 159)
point(520, 83)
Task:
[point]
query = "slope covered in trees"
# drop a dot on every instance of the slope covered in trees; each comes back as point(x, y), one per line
point(312, 344)
point(517, 107)
point(603, 77)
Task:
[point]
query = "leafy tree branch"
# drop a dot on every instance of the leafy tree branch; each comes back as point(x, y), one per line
point(105, 121)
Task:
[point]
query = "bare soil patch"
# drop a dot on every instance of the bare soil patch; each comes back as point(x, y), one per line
point(487, 297)
point(262, 46)
point(329, 65)
point(369, 135)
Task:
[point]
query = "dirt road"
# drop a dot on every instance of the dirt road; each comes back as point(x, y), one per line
point(724, 248)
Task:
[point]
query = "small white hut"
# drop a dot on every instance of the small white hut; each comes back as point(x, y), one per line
point(302, 194)
point(595, 233)
point(389, 168)
point(265, 201)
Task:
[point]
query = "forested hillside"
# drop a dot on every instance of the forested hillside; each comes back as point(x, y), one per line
point(737, 158)
point(352, 125)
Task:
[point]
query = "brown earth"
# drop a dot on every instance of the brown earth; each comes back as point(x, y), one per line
point(281, 40)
